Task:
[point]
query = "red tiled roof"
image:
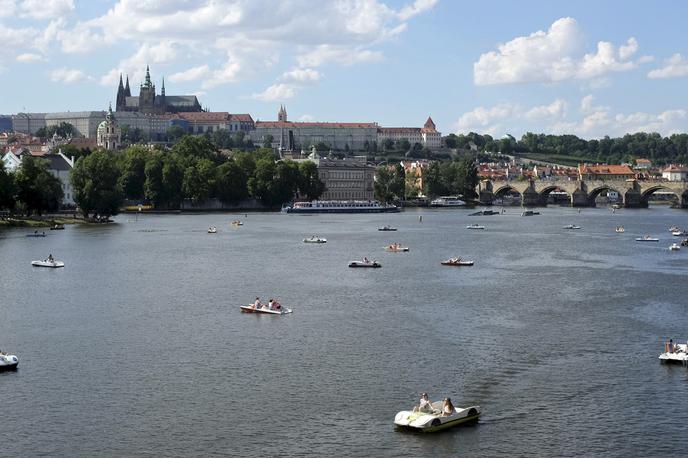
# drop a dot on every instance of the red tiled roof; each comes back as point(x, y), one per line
point(241, 117)
point(204, 116)
point(268, 124)
point(399, 130)
point(605, 169)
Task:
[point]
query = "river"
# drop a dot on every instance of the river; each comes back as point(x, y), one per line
point(137, 346)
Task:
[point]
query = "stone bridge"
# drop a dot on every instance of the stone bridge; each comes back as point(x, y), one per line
point(632, 193)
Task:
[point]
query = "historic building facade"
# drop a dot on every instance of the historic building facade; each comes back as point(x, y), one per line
point(428, 136)
point(148, 101)
point(109, 135)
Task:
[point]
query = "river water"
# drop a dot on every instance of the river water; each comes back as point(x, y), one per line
point(137, 347)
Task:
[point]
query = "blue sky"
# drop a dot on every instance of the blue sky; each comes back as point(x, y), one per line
point(589, 68)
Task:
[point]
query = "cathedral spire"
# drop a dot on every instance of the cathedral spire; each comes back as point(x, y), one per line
point(127, 91)
point(121, 98)
point(163, 86)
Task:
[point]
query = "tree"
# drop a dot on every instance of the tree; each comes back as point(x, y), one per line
point(64, 130)
point(96, 182)
point(310, 184)
point(261, 184)
point(231, 182)
point(133, 177)
point(404, 144)
point(153, 186)
point(222, 139)
point(7, 189)
point(388, 144)
point(172, 181)
point(239, 138)
point(451, 141)
point(390, 183)
point(175, 132)
point(322, 146)
point(267, 143)
point(433, 183)
point(199, 181)
point(195, 147)
point(36, 187)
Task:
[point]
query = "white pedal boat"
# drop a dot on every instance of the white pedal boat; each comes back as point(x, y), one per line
point(369, 264)
point(431, 422)
point(47, 263)
point(571, 226)
point(387, 228)
point(647, 238)
point(457, 262)
point(8, 362)
point(680, 355)
point(395, 249)
point(212, 230)
point(314, 240)
point(475, 226)
point(251, 309)
point(675, 247)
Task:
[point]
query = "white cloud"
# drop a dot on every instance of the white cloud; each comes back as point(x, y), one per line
point(306, 118)
point(556, 109)
point(45, 9)
point(29, 58)
point(674, 67)
point(419, 6)
point(343, 55)
point(301, 76)
point(7, 8)
point(190, 74)
point(554, 55)
point(135, 65)
point(275, 92)
point(68, 76)
point(485, 120)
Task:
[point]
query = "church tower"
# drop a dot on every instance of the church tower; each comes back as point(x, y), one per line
point(127, 91)
point(163, 104)
point(108, 134)
point(147, 94)
point(282, 114)
point(120, 101)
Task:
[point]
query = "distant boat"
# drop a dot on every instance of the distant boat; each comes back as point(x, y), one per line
point(457, 262)
point(314, 239)
point(571, 226)
point(212, 230)
point(395, 248)
point(619, 229)
point(485, 213)
point(447, 201)
point(387, 228)
point(57, 227)
point(475, 226)
point(365, 263)
point(340, 206)
point(646, 238)
point(236, 222)
point(48, 263)
point(529, 213)
point(36, 234)
point(675, 247)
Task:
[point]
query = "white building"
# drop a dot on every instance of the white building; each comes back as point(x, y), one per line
point(675, 173)
point(427, 136)
point(61, 166)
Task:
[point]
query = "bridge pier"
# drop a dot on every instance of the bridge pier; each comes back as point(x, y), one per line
point(579, 198)
point(633, 199)
point(485, 197)
point(531, 198)
point(683, 200)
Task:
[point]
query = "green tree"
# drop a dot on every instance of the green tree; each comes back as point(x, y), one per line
point(172, 181)
point(175, 132)
point(199, 181)
point(390, 183)
point(310, 184)
point(261, 184)
point(231, 182)
point(36, 187)
point(195, 147)
point(133, 177)
point(404, 145)
point(222, 139)
point(153, 186)
point(239, 138)
point(388, 144)
point(96, 182)
point(322, 146)
point(6, 188)
point(433, 183)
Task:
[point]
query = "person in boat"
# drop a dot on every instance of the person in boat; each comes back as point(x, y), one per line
point(425, 405)
point(366, 260)
point(276, 305)
point(257, 304)
point(447, 408)
point(50, 257)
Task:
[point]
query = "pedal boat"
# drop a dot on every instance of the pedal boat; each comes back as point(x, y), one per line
point(571, 226)
point(475, 226)
point(369, 264)
point(212, 230)
point(48, 263)
point(679, 356)
point(8, 362)
point(396, 249)
point(647, 238)
point(431, 422)
point(265, 310)
point(457, 262)
point(387, 228)
point(314, 240)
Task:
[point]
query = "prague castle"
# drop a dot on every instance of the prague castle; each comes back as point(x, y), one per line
point(151, 103)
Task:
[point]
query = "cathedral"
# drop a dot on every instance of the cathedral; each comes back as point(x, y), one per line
point(150, 102)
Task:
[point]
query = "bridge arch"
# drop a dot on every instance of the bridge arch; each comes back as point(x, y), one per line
point(647, 193)
point(500, 193)
point(592, 195)
point(546, 193)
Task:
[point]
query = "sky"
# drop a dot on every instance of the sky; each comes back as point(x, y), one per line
point(588, 68)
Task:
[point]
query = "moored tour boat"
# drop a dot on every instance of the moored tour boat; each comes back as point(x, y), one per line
point(447, 201)
point(340, 206)
point(457, 262)
point(314, 239)
point(8, 362)
point(365, 264)
point(435, 421)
